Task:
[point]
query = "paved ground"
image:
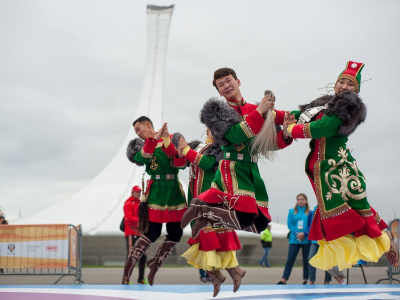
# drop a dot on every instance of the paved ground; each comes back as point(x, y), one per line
point(188, 275)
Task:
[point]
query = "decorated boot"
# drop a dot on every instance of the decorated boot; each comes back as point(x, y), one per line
point(159, 259)
point(393, 254)
point(215, 216)
point(237, 273)
point(217, 278)
point(136, 253)
point(192, 213)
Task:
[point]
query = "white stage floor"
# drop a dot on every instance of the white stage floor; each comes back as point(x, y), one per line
point(196, 292)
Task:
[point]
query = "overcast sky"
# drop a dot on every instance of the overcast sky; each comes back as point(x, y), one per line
point(71, 75)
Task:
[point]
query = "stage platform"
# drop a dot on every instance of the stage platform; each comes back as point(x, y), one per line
point(196, 292)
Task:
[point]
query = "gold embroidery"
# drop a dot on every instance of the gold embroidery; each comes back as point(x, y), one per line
point(307, 131)
point(215, 186)
point(318, 187)
point(166, 207)
point(146, 155)
point(246, 129)
point(199, 184)
point(342, 182)
point(222, 168)
point(364, 212)
point(317, 178)
point(198, 159)
point(235, 186)
point(262, 203)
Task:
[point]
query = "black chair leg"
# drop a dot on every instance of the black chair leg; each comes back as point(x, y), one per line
point(362, 270)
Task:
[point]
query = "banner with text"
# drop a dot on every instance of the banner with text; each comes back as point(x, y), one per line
point(34, 246)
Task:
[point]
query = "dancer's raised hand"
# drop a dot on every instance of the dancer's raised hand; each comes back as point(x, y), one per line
point(165, 132)
point(266, 103)
point(158, 134)
point(287, 120)
point(182, 145)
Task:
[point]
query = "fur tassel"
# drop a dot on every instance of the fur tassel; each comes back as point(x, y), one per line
point(143, 217)
point(134, 147)
point(218, 116)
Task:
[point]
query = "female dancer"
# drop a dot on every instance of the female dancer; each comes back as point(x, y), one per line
point(346, 227)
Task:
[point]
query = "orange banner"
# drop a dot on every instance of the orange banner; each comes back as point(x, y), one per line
point(34, 246)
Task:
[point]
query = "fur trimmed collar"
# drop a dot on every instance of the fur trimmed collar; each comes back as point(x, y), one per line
point(347, 106)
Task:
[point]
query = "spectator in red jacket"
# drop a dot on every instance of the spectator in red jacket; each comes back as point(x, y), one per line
point(131, 216)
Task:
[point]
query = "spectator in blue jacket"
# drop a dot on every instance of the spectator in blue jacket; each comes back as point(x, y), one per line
point(334, 272)
point(299, 223)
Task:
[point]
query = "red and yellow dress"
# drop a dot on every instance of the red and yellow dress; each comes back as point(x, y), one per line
point(214, 248)
point(346, 227)
point(164, 194)
point(238, 183)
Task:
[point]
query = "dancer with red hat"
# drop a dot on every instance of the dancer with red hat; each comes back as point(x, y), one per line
point(346, 227)
point(132, 234)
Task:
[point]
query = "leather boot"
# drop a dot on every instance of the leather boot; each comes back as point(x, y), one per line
point(136, 253)
point(237, 273)
point(393, 254)
point(192, 212)
point(215, 216)
point(161, 256)
point(217, 278)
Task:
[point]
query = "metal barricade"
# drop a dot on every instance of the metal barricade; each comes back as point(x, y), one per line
point(394, 228)
point(48, 249)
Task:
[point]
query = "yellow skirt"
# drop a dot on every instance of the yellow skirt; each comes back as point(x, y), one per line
point(347, 250)
point(210, 260)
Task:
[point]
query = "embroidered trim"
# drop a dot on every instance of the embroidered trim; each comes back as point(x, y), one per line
point(246, 129)
point(222, 230)
point(364, 212)
point(235, 103)
point(307, 131)
point(199, 181)
point(318, 189)
point(166, 207)
point(146, 155)
point(198, 159)
point(235, 186)
point(377, 218)
point(262, 203)
point(336, 211)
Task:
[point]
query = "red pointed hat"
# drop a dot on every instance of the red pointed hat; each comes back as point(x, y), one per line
point(136, 188)
point(353, 73)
